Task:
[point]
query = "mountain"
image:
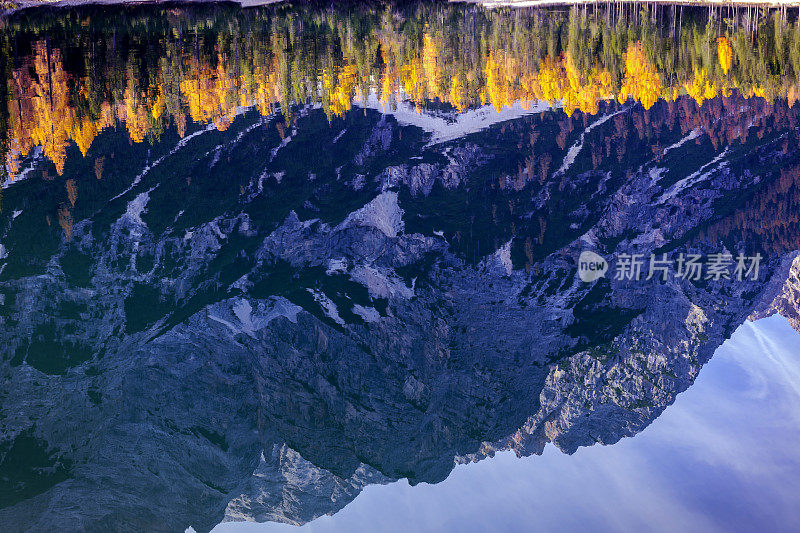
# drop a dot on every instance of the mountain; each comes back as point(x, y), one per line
point(255, 322)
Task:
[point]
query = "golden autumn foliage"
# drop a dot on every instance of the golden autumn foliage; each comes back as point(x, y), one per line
point(725, 54)
point(457, 97)
point(211, 94)
point(642, 82)
point(41, 114)
point(51, 108)
point(431, 67)
point(701, 88)
point(500, 80)
point(341, 88)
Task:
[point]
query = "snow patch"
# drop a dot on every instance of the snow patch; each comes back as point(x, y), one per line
point(242, 318)
point(694, 134)
point(576, 148)
point(36, 155)
point(694, 178)
point(655, 174)
point(503, 254)
point(336, 266)
point(285, 141)
point(245, 131)
point(327, 305)
point(446, 129)
point(369, 314)
point(280, 307)
point(136, 207)
point(217, 154)
point(382, 213)
point(224, 322)
point(381, 283)
point(589, 238)
point(242, 310)
point(180, 144)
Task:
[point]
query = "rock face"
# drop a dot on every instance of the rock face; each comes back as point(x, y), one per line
point(787, 297)
point(260, 339)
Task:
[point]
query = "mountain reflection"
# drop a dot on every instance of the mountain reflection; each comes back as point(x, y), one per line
point(245, 271)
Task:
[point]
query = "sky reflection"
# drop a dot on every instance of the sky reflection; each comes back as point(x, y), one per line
point(722, 458)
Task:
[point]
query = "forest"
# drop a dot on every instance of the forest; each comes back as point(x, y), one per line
point(70, 74)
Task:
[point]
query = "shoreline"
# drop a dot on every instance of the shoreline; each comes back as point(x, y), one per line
point(489, 4)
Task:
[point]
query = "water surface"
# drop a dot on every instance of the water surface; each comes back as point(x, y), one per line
point(255, 260)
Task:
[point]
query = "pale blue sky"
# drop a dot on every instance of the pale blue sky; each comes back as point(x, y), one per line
point(724, 457)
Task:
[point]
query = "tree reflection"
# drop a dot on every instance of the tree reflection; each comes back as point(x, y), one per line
point(71, 74)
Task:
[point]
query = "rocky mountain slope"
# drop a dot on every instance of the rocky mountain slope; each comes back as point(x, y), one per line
point(241, 325)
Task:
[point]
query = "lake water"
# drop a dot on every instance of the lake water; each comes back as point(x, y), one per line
point(414, 265)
